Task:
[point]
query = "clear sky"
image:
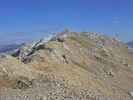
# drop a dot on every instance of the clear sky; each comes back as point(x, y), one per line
point(22, 20)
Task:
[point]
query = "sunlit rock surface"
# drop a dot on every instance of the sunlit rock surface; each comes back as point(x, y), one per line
point(69, 64)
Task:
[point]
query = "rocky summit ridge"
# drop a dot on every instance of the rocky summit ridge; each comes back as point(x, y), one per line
point(69, 64)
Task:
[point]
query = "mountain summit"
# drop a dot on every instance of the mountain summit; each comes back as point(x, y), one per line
point(69, 64)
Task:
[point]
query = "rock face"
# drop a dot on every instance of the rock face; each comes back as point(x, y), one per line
point(69, 65)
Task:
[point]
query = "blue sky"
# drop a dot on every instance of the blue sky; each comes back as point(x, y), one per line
point(24, 20)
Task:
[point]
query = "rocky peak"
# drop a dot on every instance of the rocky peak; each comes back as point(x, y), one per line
point(72, 61)
point(26, 49)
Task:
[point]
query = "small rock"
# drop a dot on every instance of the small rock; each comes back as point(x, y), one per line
point(131, 94)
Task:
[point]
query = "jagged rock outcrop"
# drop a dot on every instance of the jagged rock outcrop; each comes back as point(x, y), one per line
point(76, 62)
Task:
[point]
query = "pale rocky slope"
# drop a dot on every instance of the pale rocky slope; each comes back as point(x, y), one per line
point(69, 64)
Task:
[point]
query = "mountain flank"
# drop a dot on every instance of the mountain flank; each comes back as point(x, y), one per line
point(70, 64)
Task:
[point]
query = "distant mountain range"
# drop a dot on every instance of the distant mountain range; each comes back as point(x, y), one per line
point(8, 47)
point(130, 44)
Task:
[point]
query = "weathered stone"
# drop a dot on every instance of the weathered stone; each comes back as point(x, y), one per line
point(75, 65)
